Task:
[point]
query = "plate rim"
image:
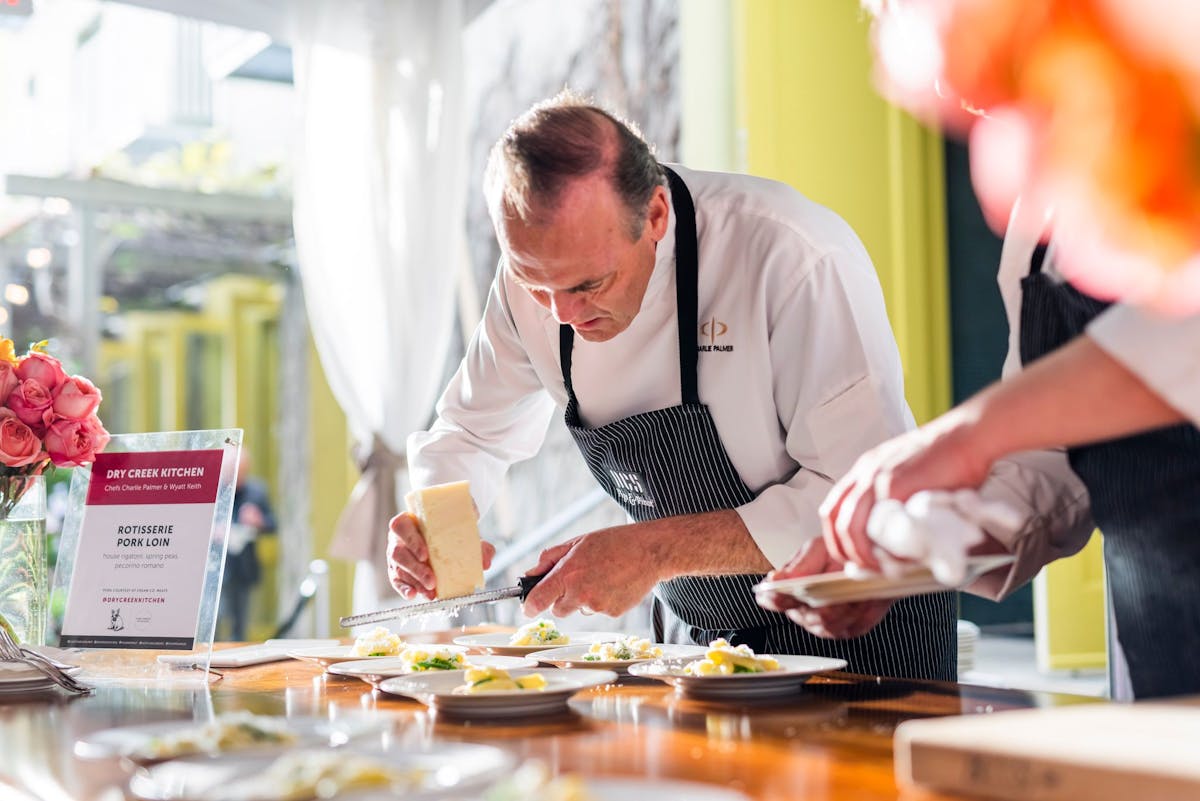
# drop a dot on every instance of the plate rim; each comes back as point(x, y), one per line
point(739, 678)
point(976, 566)
point(86, 748)
point(340, 668)
point(547, 655)
point(603, 677)
point(504, 759)
point(481, 640)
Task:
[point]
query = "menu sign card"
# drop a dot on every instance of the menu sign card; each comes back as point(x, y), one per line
point(143, 544)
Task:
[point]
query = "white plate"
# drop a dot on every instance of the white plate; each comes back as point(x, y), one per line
point(244, 655)
point(824, 589)
point(17, 686)
point(437, 691)
point(125, 741)
point(330, 655)
point(572, 656)
point(613, 789)
point(498, 642)
point(377, 669)
point(451, 768)
point(793, 672)
point(19, 673)
point(18, 677)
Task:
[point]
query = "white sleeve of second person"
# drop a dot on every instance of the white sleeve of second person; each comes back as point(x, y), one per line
point(839, 391)
point(493, 412)
point(1163, 352)
point(1039, 485)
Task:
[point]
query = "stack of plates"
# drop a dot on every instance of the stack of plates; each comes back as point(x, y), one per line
point(968, 636)
point(18, 677)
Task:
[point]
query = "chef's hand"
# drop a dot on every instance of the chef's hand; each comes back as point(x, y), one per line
point(839, 621)
point(939, 455)
point(607, 571)
point(408, 558)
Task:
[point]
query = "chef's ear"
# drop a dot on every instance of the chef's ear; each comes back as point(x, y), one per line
point(657, 213)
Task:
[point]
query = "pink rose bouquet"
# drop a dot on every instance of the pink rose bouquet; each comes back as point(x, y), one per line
point(46, 418)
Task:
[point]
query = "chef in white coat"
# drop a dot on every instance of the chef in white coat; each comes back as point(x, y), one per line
point(719, 349)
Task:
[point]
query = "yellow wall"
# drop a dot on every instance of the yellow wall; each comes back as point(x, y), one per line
point(1069, 611)
point(333, 476)
point(808, 115)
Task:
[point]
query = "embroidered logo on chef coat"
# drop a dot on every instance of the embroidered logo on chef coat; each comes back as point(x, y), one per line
point(630, 488)
point(712, 330)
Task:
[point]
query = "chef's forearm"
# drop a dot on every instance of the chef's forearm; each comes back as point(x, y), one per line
point(711, 543)
point(1077, 395)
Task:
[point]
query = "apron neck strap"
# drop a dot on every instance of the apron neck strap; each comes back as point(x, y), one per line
point(1038, 259)
point(686, 290)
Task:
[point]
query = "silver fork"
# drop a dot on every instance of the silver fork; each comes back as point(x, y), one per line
point(11, 651)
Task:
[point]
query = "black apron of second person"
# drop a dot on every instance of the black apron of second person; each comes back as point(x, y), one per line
point(1145, 496)
point(671, 461)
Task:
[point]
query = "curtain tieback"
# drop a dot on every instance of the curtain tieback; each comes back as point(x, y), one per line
point(361, 530)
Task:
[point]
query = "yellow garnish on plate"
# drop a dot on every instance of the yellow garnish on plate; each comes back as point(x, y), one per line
point(533, 781)
point(317, 774)
point(623, 650)
point(378, 642)
point(234, 731)
point(539, 632)
point(724, 659)
point(493, 679)
point(419, 659)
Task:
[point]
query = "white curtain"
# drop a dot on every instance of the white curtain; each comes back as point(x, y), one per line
point(380, 231)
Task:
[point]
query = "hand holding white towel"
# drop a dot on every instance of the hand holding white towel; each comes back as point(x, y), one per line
point(934, 528)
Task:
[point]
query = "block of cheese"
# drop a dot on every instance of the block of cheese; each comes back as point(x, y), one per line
point(448, 521)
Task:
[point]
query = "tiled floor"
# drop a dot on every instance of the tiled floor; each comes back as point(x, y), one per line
point(1012, 662)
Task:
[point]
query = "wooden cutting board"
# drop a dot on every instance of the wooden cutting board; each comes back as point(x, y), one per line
point(1091, 752)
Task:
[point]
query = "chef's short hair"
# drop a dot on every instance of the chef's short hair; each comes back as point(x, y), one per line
point(563, 139)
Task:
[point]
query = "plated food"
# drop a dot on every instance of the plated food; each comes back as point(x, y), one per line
point(379, 641)
point(791, 673)
point(226, 733)
point(723, 659)
point(441, 692)
point(589, 656)
point(501, 643)
point(308, 774)
point(419, 658)
point(541, 633)
point(374, 671)
point(361, 775)
point(533, 781)
point(498, 680)
point(625, 649)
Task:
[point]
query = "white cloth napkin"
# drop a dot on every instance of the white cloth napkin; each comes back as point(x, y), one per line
point(934, 528)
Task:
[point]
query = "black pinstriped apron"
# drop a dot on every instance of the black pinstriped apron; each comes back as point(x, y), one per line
point(672, 462)
point(1145, 493)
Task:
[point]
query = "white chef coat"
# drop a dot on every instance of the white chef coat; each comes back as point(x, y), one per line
point(1163, 352)
point(798, 365)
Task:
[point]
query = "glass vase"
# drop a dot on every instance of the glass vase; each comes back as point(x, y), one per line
point(24, 583)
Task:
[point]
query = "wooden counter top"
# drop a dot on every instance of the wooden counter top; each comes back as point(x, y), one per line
point(833, 740)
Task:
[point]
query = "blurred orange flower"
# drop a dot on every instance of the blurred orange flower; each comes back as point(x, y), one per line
point(1087, 107)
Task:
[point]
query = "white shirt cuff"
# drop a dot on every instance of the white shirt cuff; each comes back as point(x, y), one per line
point(1164, 352)
point(780, 520)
